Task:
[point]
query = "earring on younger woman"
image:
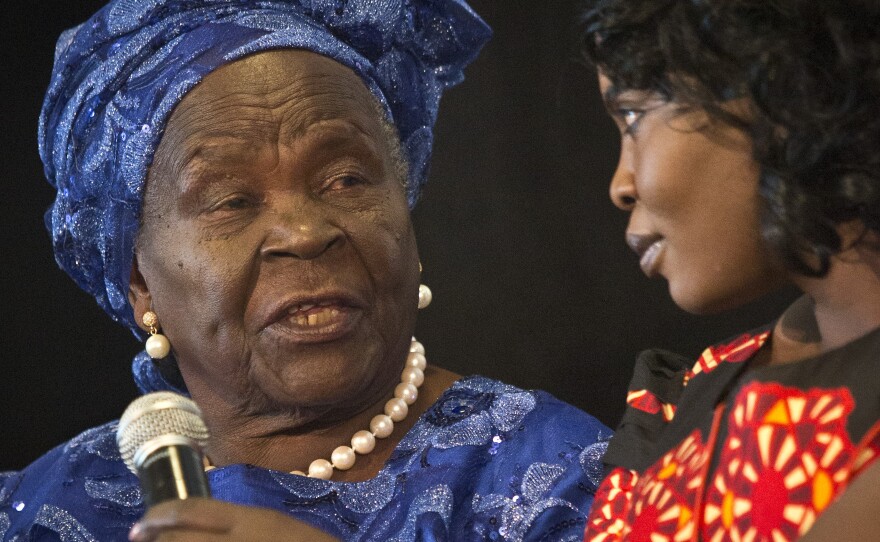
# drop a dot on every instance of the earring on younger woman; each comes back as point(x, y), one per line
point(425, 295)
point(157, 345)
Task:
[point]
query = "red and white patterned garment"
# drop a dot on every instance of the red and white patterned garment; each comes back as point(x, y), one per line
point(722, 451)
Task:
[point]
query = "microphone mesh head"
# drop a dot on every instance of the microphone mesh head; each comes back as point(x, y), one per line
point(154, 415)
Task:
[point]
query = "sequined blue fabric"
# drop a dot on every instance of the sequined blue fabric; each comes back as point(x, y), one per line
point(117, 77)
point(524, 469)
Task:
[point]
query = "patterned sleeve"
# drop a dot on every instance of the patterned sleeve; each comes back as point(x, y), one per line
point(77, 492)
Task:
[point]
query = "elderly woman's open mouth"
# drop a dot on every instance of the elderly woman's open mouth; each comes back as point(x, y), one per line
point(315, 317)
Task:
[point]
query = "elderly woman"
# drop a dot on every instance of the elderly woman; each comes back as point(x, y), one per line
point(234, 179)
point(749, 160)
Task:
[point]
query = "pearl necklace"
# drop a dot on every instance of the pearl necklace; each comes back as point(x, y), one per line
point(381, 426)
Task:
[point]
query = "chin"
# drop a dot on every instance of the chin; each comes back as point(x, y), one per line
point(329, 399)
point(708, 301)
point(703, 303)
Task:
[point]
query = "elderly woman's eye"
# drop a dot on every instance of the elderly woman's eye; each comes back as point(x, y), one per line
point(234, 203)
point(344, 181)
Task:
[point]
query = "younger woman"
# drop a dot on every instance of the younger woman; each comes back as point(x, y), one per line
point(750, 158)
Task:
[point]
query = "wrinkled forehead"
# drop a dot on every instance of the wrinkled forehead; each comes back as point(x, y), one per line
point(270, 97)
point(265, 99)
point(282, 77)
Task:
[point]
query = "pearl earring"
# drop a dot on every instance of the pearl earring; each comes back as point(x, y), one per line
point(157, 345)
point(425, 295)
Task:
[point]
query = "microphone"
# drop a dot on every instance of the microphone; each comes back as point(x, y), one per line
point(161, 436)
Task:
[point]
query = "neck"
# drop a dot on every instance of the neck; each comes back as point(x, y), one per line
point(275, 442)
point(836, 309)
point(281, 441)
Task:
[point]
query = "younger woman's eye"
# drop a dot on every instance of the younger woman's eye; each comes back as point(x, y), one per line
point(630, 118)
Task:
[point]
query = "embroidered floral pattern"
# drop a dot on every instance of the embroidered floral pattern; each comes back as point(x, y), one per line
point(513, 477)
point(62, 523)
point(518, 512)
point(472, 413)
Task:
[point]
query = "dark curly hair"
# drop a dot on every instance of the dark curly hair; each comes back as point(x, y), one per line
point(811, 70)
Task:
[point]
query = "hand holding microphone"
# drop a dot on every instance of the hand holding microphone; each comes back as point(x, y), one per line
point(161, 437)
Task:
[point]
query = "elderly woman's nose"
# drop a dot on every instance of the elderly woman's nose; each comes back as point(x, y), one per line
point(302, 232)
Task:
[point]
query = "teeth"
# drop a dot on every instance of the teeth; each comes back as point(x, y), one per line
point(319, 318)
point(305, 307)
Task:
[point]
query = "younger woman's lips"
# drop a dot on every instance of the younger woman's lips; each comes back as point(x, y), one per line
point(649, 247)
point(650, 260)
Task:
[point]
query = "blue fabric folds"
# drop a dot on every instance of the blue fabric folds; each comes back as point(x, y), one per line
point(487, 461)
point(117, 77)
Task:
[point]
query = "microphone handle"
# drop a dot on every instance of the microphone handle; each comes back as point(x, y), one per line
point(173, 472)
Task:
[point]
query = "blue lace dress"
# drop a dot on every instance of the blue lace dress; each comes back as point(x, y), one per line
point(487, 461)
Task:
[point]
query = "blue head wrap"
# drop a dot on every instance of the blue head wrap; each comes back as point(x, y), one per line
point(117, 77)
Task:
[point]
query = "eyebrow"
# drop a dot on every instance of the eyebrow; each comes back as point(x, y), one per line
point(206, 161)
point(200, 171)
point(198, 165)
point(331, 126)
point(220, 143)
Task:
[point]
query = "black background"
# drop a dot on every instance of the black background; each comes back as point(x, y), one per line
point(524, 252)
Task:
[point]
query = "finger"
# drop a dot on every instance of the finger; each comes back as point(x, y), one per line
point(179, 535)
point(191, 514)
point(272, 526)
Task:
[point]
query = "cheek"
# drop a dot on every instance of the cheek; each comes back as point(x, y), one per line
point(386, 241)
point(722, 262)
point(693, 182)
point(198, 286)
point(385, 223)
point(718, 231)
point(668, 174)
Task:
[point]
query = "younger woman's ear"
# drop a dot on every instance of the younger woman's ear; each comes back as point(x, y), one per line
point(138, 294)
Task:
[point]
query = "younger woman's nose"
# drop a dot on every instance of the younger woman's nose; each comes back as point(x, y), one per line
point(623, 187)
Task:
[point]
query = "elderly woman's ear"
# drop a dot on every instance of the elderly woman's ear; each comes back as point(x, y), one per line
point(138, 295)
